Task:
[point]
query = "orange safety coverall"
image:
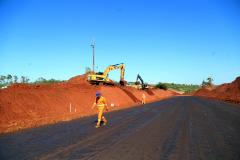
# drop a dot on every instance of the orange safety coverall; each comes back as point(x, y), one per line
point(101, 106)
point(143, 98)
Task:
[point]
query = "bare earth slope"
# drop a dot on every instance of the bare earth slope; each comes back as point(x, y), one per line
point(179, 128)
point(24, 106)
point(227, 92)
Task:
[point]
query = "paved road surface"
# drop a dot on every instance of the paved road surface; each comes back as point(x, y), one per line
point(178, 128)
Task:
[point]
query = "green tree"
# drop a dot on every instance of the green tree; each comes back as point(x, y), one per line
point(209, 81)
point(23, 79)
point(15, 79)
point(41, 80)
point(2, 79)
point(9, 78)
point(162, 86)
point(204, 83)
point(87, 70)
point(27, 80)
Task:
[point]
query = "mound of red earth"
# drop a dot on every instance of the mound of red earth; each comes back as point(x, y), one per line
point(81, 79)
point(228, 92)
point(25, 105)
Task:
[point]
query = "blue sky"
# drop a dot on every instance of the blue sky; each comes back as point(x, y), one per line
point(162, 40)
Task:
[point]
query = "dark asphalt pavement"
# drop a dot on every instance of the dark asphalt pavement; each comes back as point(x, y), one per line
point(178, 128)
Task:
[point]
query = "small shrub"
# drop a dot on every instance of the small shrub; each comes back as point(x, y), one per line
point(162, 86)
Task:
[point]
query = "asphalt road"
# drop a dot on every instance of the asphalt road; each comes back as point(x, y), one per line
point(178, 128)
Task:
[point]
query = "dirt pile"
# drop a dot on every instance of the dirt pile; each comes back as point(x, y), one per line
point(204, 91)
point(80, 79)
point(24, 105)
point(227, 92)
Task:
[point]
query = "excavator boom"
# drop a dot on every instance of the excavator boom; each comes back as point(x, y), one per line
point(139, 77)
point(114, 67)
point(143, 85)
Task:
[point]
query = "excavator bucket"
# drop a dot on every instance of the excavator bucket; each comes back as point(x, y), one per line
point(123, 83)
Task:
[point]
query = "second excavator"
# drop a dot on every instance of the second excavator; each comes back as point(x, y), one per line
point(141, 84)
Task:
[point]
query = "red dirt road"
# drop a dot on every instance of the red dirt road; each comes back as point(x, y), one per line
point(179, 128)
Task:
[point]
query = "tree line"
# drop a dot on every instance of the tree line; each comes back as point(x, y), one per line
point(6, 80)
point(186, 88)
point(9, 79)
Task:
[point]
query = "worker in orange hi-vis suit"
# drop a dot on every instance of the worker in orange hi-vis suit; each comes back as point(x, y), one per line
point(101, 104)
point(143, 98)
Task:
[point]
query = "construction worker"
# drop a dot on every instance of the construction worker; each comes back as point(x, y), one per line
point(101, 104)
point(143, 98)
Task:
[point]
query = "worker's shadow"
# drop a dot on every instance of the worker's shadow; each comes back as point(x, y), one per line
point(101, 123)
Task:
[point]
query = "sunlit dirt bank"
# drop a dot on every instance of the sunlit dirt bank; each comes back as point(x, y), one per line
point(229, 92)
point(25, 105)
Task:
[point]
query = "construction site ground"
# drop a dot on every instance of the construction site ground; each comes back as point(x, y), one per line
point(184, 127)
point(32, 105)
point(229, 92)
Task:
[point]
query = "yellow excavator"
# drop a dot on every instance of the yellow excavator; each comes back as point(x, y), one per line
point(101, 78)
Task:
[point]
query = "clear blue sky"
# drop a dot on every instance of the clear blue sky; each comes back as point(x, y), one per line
point(180, 41)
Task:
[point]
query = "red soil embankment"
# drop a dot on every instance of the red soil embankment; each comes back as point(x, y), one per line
point(227, 92)
point(25, 106)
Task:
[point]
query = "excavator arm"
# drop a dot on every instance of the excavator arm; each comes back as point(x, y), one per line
point(144, 86)
point(140, 78)
point(114, 67)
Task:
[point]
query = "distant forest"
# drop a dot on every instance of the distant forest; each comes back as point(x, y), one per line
point(6, 80)
point(186, 88)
